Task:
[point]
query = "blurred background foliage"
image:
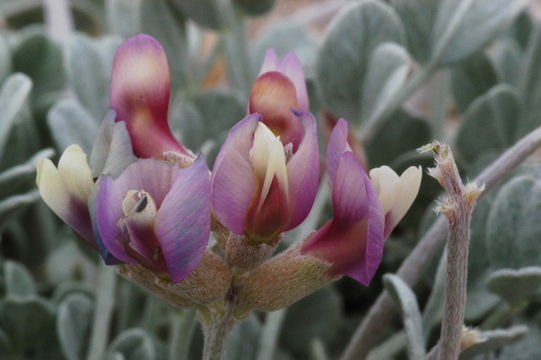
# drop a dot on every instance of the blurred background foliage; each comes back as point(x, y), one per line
point(403, 72)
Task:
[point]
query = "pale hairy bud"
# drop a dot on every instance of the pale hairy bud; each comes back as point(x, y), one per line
point(245, 255)
point(283, 280)
point(208, 282)
point(470, 336)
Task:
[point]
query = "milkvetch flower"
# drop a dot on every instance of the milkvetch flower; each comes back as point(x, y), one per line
point(156, 214)
point(66, 189)
point(364, 211)
point(279, 88)
point(139, 93)
point(261, 188)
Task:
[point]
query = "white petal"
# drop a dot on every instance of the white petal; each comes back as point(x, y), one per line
point(269, 160)
point(51, 188)
point(410, 181)
point(386, 182)
point(75, 173)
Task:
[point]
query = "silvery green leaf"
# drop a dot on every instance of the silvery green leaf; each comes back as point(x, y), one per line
point(284, 37)
point(528, 348)
point(204, 12)
point(418, 17)
point(411, 317)
point(71, 124)
point(254, 7)
point(513, 225)
point(16, 175)
point(123, 16)
point(386, 74)
point(163, 21)
point(89, 75)
point(29, 325)
point(11, 205)
point(309, 318)
point(195, 119)
point(343, 58)
point(494, 340)
point(490, 123)
point(5, 58)
point(73, 324)
point(466, 26)
point(183, 326)
point(383, 148)
point(530, 83)
point(18, 281)
point(243, 342)
point(5, 346)
point(515, 286)
point(471, 79)
point(41, 58)
point(132, 344)
point(13, 97)
point(506, 56)
point(433, 310)
point(112, 150)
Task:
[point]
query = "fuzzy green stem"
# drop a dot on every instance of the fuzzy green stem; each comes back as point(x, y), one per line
point(216, 333)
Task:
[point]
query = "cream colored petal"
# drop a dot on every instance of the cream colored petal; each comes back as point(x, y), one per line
point(386, 182)
point(75, 173)
point(269, 160)
point(410, 181)
point(51, 188)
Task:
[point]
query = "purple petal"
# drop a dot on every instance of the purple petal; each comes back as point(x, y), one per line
point(154, 176)
point(338, 144)
point(303, 172)
point(349, 193)
point(293, 68)
point(270, 62)
point(366, 267)
point(183, 221)
point(233, 182)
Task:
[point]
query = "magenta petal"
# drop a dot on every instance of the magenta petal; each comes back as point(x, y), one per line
point(233, 182)
point(303, 172)
point(292, 67)
point(367, 265)
point(338, 144)
point(270, 62)
point(183, 221)
point(139, 93)
point(349, 193)
point(154, 176)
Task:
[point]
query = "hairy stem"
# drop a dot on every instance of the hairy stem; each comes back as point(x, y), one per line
point(216, 333)
point(373, 325)
point(458, 209)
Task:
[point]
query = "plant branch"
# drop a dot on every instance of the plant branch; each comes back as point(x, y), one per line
point(371, 328)
point(458, 209)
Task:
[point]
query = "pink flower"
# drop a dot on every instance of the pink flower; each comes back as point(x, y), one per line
point(364, 211)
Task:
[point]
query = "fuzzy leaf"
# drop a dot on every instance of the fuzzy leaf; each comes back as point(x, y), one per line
point(132, 344)
point(489, 123)
point(478, 23)
point(515, 286)
point(74, 325)
point(18, 281)
point(513, 225)
point(343, 59)
point(386, 73)
point(71, 124)
point(495, 339)
point(411, 317)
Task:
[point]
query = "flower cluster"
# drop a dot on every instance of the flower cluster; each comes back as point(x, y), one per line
point(147, 202)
